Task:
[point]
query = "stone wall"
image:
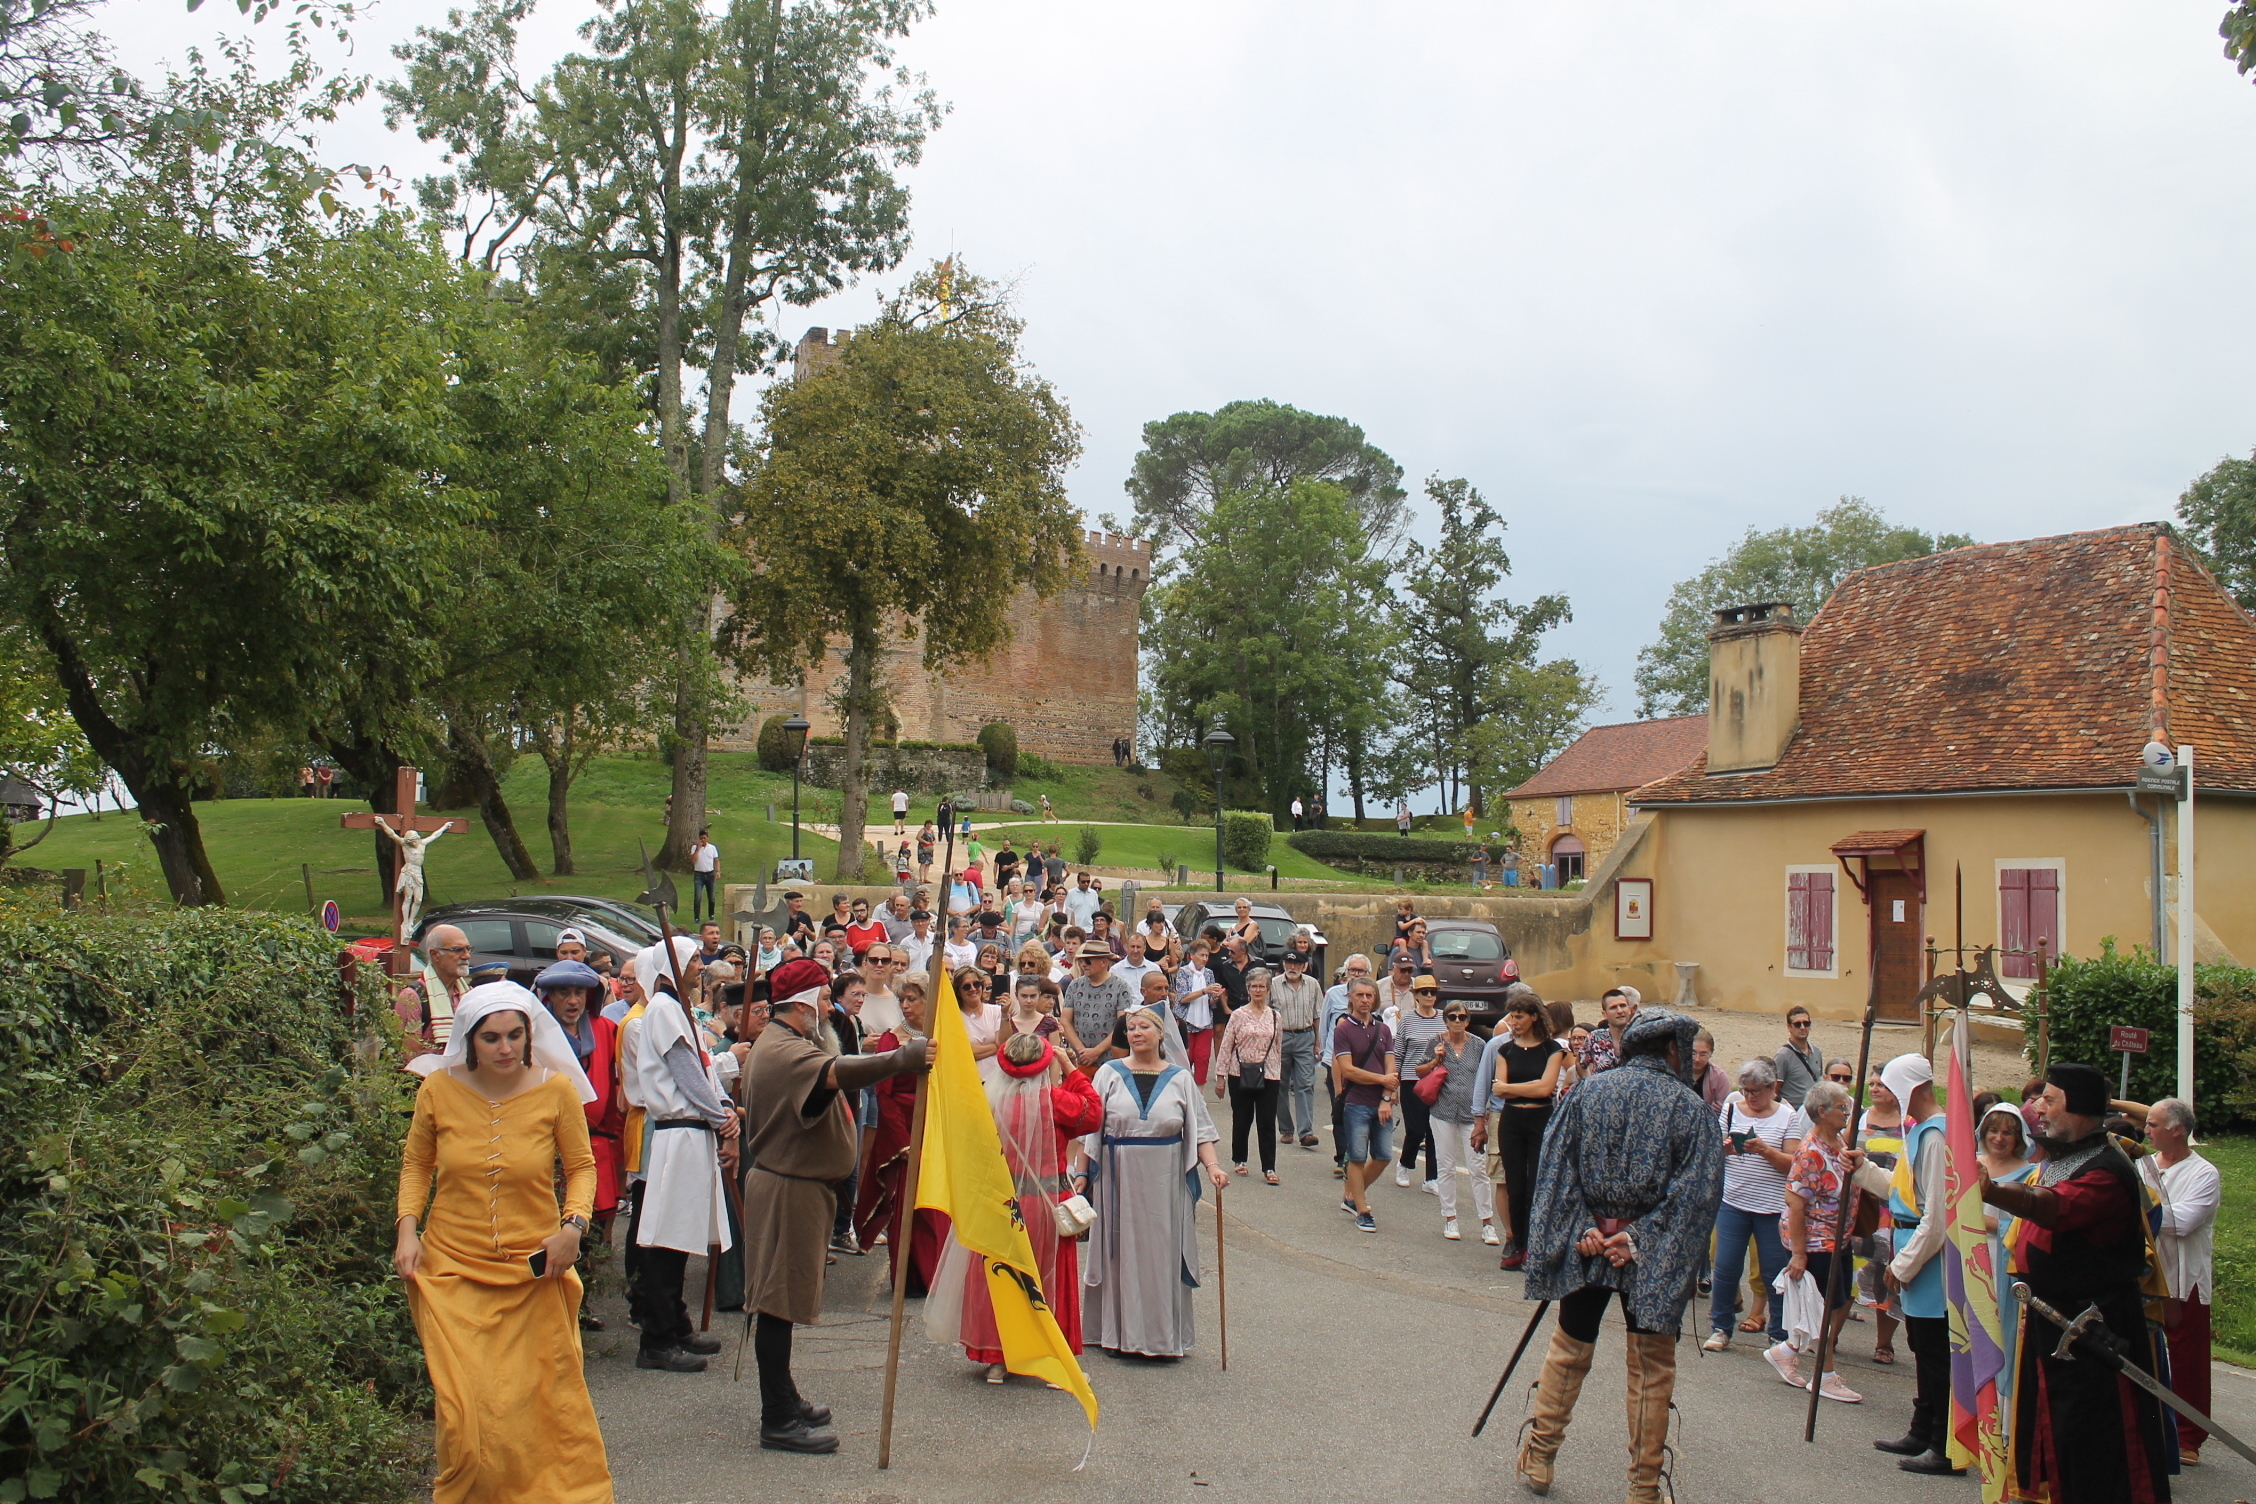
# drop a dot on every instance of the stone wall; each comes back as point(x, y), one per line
point(1066, 682)
point(920, 770)
point(1599, 820)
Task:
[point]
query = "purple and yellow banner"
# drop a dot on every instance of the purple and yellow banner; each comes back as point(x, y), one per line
point(1970, 1277)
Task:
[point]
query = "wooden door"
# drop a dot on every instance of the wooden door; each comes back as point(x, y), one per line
point(1892, 900)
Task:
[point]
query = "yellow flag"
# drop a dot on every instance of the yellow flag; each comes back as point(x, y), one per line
point(963, 1174)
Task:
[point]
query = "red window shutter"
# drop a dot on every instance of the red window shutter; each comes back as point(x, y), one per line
point(1820, 921)
point(2013, 921)
point(1798, 922)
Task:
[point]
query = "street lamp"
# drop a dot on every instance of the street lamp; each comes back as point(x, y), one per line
point(794, 746)
point(1218, 745)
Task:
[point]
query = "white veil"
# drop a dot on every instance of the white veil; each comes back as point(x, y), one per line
point(1026, 1122)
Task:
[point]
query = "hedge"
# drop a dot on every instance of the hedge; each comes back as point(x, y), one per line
point(769, 749)
point(2089, 996)
point(1368, 846)
point(1000, 742)
point(195, 1218)
point(875, 743)
point(1245, 838)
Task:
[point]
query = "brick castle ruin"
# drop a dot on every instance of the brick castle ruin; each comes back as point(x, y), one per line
point(1066, 682)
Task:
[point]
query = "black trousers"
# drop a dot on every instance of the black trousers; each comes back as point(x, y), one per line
point(1930, 1351)
point(1339, 1120)
point(771, 1350)
point(1519, 1143)
point(630, 1256)
point(1580, 1313)
point(1417, 1131)
point(657, 1298)
point(1251, 1109)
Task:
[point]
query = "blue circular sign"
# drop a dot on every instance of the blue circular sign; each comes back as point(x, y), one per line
point(331, 918)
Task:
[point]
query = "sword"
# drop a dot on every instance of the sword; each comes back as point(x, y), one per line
point(2098, 1344)
point(1525, 1337)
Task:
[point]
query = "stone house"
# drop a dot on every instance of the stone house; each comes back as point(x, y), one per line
point(1572, 812)
point(1949, 748)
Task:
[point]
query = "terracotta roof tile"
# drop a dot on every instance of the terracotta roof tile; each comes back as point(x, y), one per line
point(2022, 665)
point(1605, 759)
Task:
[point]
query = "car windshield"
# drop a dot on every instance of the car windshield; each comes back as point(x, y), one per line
point(1466, 945)
point(1275, 931)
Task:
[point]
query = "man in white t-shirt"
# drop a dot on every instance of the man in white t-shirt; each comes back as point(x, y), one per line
point(900, 812)
point(1296, 812)
point(705, 863)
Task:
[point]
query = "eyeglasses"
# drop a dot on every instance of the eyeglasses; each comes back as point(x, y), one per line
point(1797, 1023)
point(1454, 1018)
point(1843, 1080)
point(451, 950)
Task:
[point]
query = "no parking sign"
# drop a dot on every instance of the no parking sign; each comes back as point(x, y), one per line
point(330, 917)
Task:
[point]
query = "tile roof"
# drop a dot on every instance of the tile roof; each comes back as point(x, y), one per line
point(1605, 759)
point(2042, 664)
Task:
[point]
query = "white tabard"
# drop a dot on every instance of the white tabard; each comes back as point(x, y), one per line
point(681, 1197)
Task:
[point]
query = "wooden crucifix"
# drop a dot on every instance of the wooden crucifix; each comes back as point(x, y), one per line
point(412, 833)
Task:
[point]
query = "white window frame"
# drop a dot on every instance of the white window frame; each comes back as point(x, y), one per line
point(2020, 987)
point(1786, 919)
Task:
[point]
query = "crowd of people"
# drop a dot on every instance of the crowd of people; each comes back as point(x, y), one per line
point(754, 1103)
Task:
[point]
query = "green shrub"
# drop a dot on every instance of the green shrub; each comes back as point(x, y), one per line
point(1370, 846)
point(1033, 767)
point(773, 755)
point(196, 1171)
point(2088, 997)
point(1086, 845)
point(1245, 838)
point(1000, 743)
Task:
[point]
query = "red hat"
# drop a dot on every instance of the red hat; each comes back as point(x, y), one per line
point(795, 981)
point(1010, 1068)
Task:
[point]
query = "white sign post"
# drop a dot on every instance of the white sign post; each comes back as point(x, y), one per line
point(2185, 928)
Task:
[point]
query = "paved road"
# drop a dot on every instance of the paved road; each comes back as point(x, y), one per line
point(1357, 1365)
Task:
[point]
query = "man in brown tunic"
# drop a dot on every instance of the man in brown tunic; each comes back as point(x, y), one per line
point(799, 1132)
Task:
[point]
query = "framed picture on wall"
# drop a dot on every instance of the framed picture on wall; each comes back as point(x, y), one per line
point(1633, 908)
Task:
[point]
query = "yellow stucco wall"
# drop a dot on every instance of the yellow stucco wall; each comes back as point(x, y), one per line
point(1720, 889)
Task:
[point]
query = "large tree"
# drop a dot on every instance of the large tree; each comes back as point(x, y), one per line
point(1190, 461)
point(695, 162)
point(907, 490)
point(1800, 565)
point(2219, 513)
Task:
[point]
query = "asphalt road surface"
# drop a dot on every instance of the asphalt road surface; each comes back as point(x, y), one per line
point(1357, 1366)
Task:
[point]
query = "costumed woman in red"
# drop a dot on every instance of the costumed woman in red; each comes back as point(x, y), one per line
point(877, 1208)
point(1039, 1106)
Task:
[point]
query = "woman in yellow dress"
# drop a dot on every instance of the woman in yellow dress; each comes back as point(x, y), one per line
point(489, 1274)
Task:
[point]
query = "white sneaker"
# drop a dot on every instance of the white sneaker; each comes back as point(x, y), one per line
point(1786, 1361)
point(1717, 1341)
point(1834, 1389)
point(1449, 1229)
point(1402, 1175)
point(1488, 1234)
point(1431, 1187)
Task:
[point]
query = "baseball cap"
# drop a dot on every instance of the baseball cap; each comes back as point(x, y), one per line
point(568, 933)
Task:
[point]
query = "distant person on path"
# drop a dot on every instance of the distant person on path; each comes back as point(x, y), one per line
point(1402, 820)
point(1296, 811)
point(705, 864)
point(1047, 812)
point(1800, 1064)
point(1622, 1206)
point(927, 836)
point(498, 1110)
point(900, 812)
point(324, 777)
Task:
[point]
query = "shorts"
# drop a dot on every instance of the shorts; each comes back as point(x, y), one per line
point(1367, 1137)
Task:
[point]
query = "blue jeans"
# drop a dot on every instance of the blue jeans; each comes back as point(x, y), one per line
point(1732, 1229)
point(1367, 1137)
point(1296, 1105)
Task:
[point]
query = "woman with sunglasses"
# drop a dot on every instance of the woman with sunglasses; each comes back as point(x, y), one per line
point(1527, 1079)
point(983, 1020)
point(1458, 1052)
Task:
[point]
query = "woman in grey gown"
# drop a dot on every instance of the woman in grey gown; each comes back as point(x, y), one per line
point(1144, 1167)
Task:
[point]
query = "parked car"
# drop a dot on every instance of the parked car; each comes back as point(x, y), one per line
point(629, 919)
point(1277, 926)
point(1474, 966)
point(522, 933)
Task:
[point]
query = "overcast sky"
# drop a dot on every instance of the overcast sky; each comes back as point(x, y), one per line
point(1646, 274)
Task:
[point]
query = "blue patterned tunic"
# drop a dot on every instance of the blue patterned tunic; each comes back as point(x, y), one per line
point(1637, 1143)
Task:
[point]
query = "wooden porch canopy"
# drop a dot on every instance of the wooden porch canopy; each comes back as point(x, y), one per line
point(1894, 850)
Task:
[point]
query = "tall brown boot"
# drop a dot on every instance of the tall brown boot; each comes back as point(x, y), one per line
point(1564, 1368)
point(1652, 1380)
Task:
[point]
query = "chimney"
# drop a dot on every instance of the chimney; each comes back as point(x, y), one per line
point(1754, 685)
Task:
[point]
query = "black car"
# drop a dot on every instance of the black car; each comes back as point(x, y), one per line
point(1473, 965)
point(522, 934)
point(629, 919)
point(1277, 926)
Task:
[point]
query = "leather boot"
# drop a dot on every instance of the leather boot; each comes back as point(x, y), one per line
point(1652, 1381)
point(1565, 1366)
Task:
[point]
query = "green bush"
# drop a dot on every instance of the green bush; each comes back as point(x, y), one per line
point(2088, 997)
point(1000, 743)
point(1369, 846)
point(1033, 767)
point(196, 1171)
point(1245, 838)
point(1086, 846)
point(773, 755)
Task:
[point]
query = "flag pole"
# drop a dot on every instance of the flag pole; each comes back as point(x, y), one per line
point(1839, 1267)
point(904, 1243)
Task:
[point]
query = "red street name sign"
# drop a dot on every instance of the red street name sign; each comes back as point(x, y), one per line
point(2128, 1040)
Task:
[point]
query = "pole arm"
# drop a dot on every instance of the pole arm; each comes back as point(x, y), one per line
point(1837, 1267)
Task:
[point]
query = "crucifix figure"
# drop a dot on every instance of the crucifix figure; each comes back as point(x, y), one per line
point(413, 834)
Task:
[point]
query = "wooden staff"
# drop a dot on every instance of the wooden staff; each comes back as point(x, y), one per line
point(1838, 1270)
point(904, 1242)
point(1222, 1278)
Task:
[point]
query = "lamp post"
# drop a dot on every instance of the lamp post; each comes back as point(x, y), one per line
point(795, 745)
point(1218, 745)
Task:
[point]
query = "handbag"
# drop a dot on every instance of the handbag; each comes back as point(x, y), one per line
point(1074, 1215)
point(1429, 1085)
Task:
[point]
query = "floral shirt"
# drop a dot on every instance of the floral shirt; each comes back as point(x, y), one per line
point(1599, 1053)
point(1816, 1177)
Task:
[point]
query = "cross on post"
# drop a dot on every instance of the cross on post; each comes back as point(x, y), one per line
point(404, 820)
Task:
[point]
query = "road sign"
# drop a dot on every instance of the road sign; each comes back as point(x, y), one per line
point(330, 917)
point(2166, 781)
point(2128, 1040)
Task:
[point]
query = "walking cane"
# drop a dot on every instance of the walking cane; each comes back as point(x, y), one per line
point(1222, 1277)
point(1838, 1269)
point(1506, 1377)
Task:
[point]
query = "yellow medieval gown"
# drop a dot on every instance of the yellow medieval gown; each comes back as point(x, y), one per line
point(515, 1424)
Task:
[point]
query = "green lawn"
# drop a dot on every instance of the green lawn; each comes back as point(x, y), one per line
point(2235, 1314)
point(1158, 847)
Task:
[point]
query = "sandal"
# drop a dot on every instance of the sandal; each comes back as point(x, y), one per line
point(1242, 1170)
point(1270, 1176)
point(1753, 1324)
point(1883, 1355)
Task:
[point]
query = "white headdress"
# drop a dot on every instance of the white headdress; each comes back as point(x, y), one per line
point(550, 1046)
point(650, 962)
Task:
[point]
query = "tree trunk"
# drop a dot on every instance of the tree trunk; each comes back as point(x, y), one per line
point(690, 735)
point(1355, 773)
point(376, 765)
point(470, 756)
point(853, 795)
point(166, 803)
point(559, 816)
